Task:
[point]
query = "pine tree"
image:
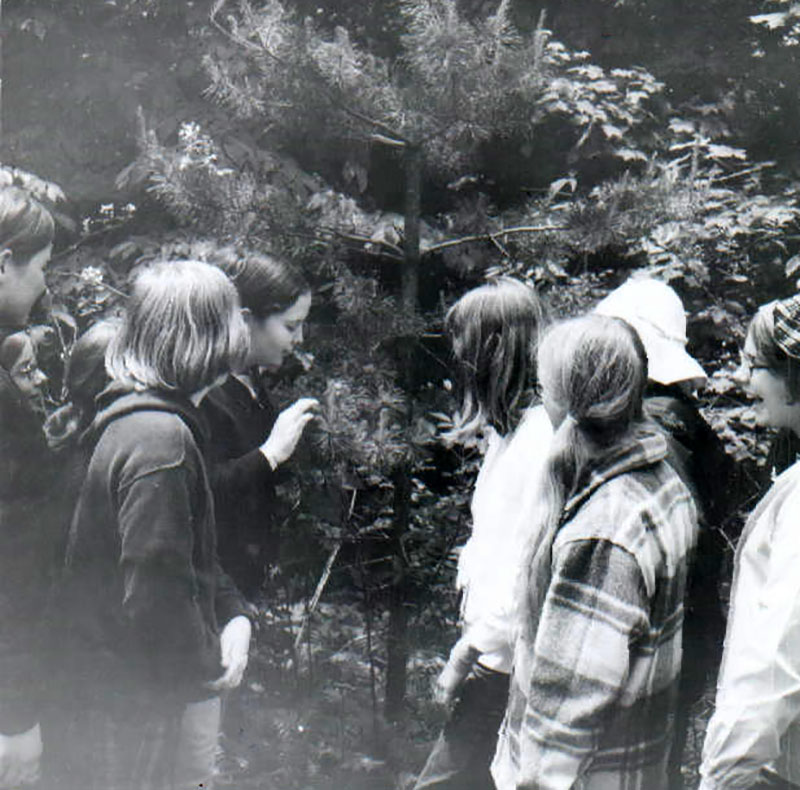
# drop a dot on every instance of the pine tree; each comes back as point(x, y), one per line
point(454, 86)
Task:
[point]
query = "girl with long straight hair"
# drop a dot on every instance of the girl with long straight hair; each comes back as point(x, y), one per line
point(600, 597)
point(156, 630)
point(494, 331)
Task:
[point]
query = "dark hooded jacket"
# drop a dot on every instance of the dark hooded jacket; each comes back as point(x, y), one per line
point(144, 589)
point(26, 556)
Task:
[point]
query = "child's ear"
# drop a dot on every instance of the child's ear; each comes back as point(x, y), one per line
point(248, 316)
point(5, 258)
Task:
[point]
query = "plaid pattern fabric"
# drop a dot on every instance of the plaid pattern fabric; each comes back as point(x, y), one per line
point(593, 690)
point(786, 318)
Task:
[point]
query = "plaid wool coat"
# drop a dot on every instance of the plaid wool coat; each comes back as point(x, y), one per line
point(594, 687)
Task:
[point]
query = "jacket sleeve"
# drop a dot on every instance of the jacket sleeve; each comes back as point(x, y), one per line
point(759, 693)
point(229, 602)
point(595, 606)
point(235, 478)
point(174, 643)
point(26, 513)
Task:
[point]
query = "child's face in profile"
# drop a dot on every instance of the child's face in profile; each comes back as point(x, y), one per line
point(24, 370)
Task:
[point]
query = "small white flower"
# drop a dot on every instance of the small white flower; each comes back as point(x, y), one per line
point(93, 275)
point(189, 131)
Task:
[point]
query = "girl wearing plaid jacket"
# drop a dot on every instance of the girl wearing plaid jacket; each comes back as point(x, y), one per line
point(598, 653)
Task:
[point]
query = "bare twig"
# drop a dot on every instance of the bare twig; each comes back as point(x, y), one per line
point(747, 172)
point(500, 247)
point(323, 580)
point(84, 239)
point(390, 141)
point(396, 251)
point(492, 236)
point(212, 17)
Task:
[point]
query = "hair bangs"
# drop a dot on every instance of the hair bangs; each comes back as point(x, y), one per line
point(762, 332)
point(183, 329)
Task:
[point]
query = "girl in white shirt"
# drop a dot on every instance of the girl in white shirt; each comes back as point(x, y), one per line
point(753, 739)
point(494, 331)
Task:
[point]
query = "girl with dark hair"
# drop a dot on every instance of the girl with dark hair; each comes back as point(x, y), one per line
point(26, 479)
point(600, 600)
point(753, 738)
point(157, 631)
point(249, 439)
point(494, 331)
point(18, 357)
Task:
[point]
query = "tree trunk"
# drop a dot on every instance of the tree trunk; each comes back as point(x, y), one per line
point(413, 209)
point(397, 640)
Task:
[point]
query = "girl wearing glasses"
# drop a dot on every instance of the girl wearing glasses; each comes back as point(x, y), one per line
point(753, 739)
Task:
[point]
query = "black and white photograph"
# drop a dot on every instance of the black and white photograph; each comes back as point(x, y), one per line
point(399, 395)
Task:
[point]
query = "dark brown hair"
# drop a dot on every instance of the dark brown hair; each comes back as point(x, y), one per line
point(266, 285)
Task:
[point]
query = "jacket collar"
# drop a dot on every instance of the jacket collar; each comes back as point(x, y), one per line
point(644, 446)
point(117, 401)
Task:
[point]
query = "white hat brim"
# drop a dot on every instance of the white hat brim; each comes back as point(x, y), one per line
point(668, 362)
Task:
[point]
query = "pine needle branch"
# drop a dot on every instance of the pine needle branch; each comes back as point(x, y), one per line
point(392, 136)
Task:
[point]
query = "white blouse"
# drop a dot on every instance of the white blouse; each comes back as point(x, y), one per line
point(756, 723)
point(503, 512)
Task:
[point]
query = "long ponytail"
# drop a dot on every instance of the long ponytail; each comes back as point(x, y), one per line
point(593, 371)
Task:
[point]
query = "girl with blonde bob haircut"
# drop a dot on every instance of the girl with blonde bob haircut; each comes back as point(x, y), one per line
point(598, 649)
point(156, 630)
point(207, 337)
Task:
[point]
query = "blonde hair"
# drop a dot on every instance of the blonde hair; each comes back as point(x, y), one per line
point(182, 331)
point(494, 331)
point(593, 371)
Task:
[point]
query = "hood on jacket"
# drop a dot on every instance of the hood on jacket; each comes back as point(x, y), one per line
point(118, 400)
